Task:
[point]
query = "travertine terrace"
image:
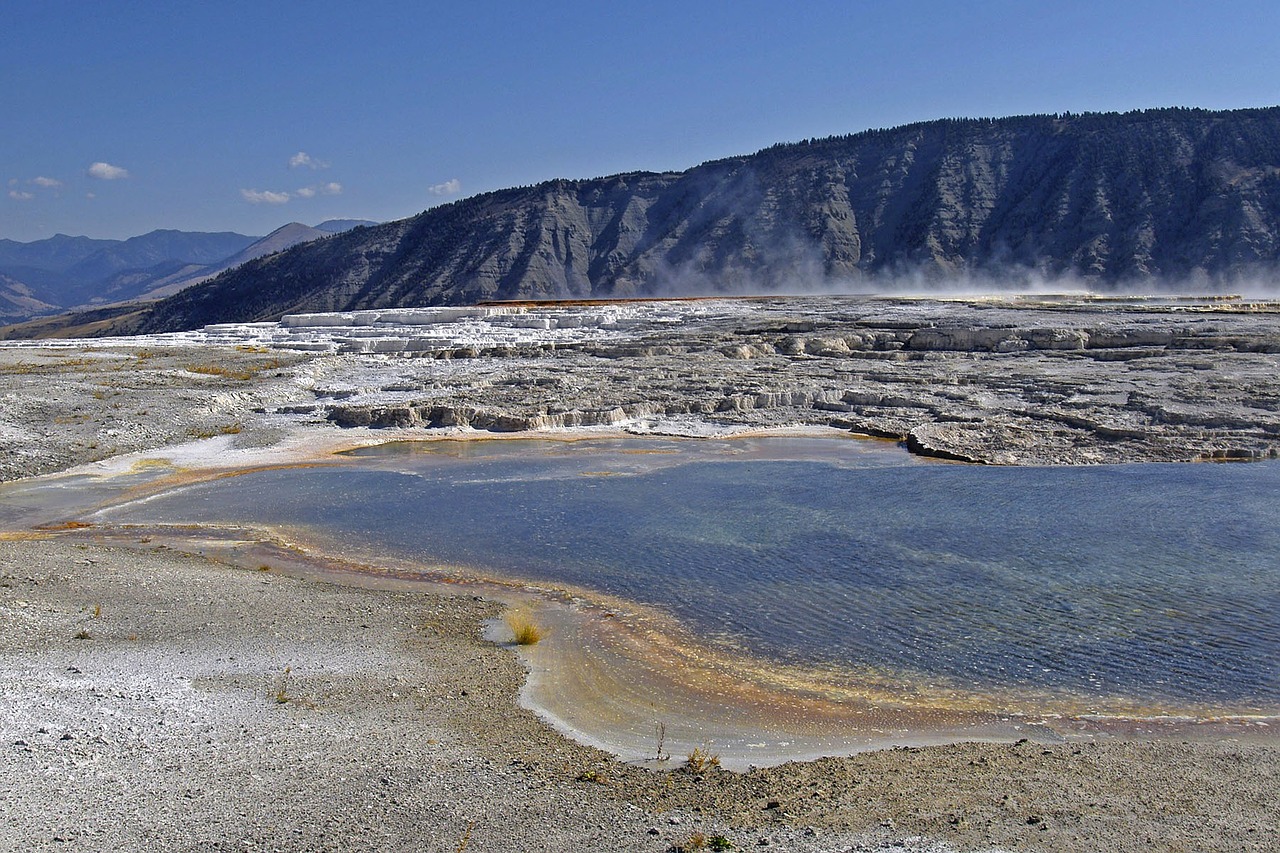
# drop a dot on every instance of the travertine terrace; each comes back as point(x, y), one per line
point(1072, 379)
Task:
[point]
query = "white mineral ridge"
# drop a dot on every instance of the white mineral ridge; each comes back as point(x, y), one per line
point(424, 329)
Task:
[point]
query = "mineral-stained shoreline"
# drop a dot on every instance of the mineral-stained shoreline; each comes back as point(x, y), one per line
point(153, 698)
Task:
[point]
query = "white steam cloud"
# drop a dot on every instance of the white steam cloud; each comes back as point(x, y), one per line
point(42, 181)
point(19, 195)
point(106, 172)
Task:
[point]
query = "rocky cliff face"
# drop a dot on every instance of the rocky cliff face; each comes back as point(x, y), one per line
point(1144, 197)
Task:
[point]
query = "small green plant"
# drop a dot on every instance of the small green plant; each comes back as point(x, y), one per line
point(719, 842)
point(524, 630)
point(82, 634)
point(599, 777)
point(701, 759)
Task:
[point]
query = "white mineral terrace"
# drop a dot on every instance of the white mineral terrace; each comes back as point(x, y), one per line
point(410, 330)
point(490, 327)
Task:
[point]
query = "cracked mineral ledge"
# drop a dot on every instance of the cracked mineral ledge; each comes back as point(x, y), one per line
point(1014, 380)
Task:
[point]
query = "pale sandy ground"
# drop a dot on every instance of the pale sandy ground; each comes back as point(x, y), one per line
point(140, 688)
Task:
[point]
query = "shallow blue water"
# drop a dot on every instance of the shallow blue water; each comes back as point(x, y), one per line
point(1159, 583)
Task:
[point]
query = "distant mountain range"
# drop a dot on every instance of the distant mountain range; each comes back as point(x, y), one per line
point(1154, 198)
point(63, 272)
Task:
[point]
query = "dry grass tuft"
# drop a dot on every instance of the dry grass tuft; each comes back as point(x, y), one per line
point(64, 525)
point(282, 690)
point(243, 374)
point(701, 759)
point(701, 841)
point(524, 630)
point(226, 429)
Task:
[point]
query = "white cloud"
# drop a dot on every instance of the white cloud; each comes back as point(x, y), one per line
point(332, 188)
point(107, 172)
point(18, 195)
point(302, 158)
point(42, 181)
point(264, 197)
point(450, 187)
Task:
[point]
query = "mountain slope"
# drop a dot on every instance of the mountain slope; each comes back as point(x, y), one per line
point(17, 301)
point(1116, 198)
point(145, 252)
point(64, 271)
point(58, 252)
point(277, 241)
point(337, 226)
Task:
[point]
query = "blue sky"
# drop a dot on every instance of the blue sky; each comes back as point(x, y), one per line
point(123, 117)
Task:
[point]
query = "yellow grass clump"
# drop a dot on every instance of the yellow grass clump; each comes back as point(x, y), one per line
point(702, 759)
point(524, 630)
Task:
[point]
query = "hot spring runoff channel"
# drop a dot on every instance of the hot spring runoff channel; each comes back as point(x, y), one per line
point(1156, 583)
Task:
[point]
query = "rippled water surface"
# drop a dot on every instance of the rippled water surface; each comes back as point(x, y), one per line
point(1155, 582)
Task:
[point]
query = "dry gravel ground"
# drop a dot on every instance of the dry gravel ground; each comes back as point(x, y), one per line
point(62, 406)
point(153, 699)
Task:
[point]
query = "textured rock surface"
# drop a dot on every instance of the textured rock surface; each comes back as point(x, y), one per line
point(1031, 380)
point(1021, 381)
point(1145, 196)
